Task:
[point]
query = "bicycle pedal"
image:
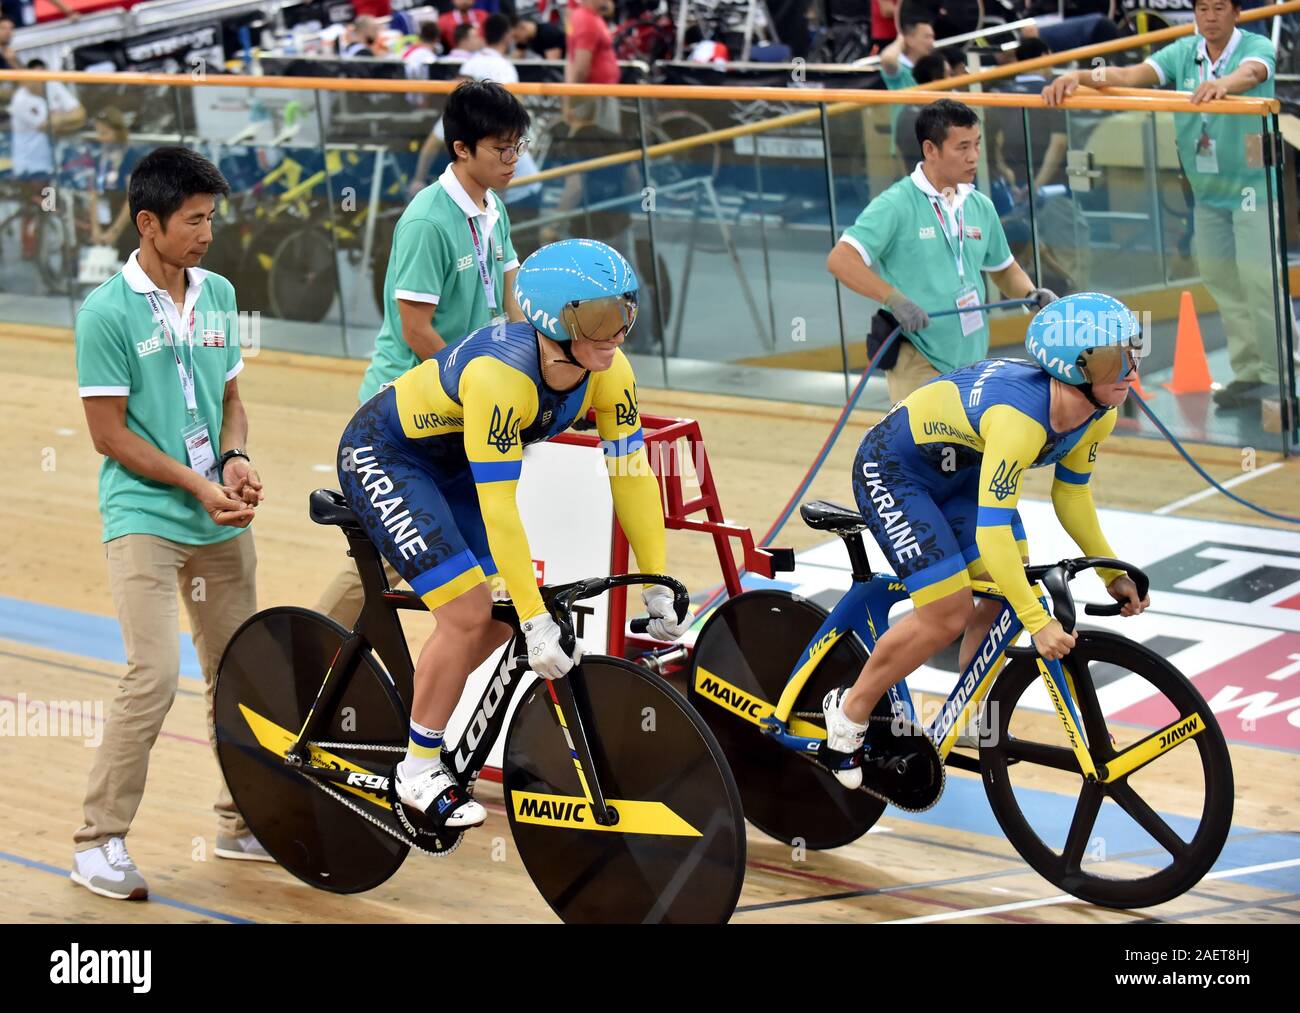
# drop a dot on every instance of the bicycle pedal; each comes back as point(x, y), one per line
point(834, 760)
point(423, 830)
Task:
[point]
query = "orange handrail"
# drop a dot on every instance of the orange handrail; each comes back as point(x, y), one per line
point(921, 95)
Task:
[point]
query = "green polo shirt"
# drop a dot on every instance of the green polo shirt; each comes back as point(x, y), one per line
point(433, 261)
point(904, 78)
point(122, 352)
point(1177, 66)
point(898, 236)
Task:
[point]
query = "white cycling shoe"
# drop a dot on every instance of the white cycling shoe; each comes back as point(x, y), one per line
point(843, 735)
point(436, 793)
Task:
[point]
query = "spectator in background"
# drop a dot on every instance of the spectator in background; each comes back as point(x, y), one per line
point(934, 67)
point(489, 63)
point(8, 61)
point(591, 60)
point(37, 110)
point(544, 40)
point(363, 36)
point(460, 14)
point(424, 51)
point(372, 8)
point(466, 41)
point(110, 211)
point(914, 41)
point(1019, 169)
point(21, 13)
point(883, 27)
point(899, 59)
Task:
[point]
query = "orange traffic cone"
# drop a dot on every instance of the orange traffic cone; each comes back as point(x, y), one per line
point(1191, 368)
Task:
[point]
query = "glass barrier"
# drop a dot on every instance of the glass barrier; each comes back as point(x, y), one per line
point(727, 210)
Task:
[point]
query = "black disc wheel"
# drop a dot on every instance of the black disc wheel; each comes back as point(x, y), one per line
point(1135, 841)
point(267, 683)
point(676, 852)
point(744, 655)
point(56, 259)
point(251, 275)
point(303, 279)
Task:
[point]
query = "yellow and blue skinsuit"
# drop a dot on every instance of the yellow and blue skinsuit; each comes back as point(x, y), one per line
point(430, 464)
point(938, 480)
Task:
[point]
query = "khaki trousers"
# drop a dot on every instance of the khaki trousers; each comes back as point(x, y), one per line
point(217, 584)
point(1233, 255)
point(912, 370)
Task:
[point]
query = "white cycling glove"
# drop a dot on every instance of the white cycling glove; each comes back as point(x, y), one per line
point(663, 617)
point(545, 655)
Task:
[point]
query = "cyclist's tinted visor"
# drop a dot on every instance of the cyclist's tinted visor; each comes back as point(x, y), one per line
point(600, 319)
point(1110, 364)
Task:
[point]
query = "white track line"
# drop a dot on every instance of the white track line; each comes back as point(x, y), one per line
point(1066, 898)
point(1196, 497)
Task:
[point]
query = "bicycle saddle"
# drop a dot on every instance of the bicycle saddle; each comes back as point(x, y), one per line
point(825, 516)
point(329, 507)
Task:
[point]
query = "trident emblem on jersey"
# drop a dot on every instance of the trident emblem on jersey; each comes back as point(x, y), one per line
point(1004, 480)
point(626, 414)
point(503, 433)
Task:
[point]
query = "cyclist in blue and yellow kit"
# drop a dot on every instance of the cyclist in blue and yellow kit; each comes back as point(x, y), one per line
point(430, 465)
point(938, 480)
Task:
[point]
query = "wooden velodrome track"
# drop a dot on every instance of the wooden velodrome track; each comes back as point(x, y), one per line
point(904, 869)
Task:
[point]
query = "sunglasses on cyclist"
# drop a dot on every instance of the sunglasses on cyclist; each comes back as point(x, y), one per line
point(600, 319)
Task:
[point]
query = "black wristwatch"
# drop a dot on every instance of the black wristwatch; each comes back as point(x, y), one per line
point(225, 459)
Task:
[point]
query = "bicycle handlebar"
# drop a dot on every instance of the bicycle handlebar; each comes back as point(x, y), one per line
point(1056, 577)
point(562, 599)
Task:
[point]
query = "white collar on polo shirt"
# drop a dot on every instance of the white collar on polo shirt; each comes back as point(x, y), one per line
point(905, 61)
point(463, 200)
point(1203, 53)
point(923, 184)
point(142, 283)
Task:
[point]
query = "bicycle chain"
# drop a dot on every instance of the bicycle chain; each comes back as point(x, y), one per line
point(943, 776)
point(380, 823)
point(358, 747)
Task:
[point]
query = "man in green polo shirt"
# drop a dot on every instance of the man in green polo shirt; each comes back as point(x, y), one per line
point(915, 41)
point(898, 61)
point(158, 351)
point(1222, 158)
point(452, 266)
point(925, 245)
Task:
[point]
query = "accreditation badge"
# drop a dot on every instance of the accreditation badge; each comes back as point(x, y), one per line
point(198, 446)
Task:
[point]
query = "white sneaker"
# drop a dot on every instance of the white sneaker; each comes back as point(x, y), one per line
point(435, 789)
point(244, 848)
point(843, 735)
point(109, 872)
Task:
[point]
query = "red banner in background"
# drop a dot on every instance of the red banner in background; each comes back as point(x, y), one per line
point(46, 11)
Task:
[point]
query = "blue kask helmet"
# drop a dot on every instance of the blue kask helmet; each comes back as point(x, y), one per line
point(1085, 338)
point(577, 288)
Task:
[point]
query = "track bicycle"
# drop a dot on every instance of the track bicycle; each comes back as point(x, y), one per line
point(765, 659)
point(620, 801)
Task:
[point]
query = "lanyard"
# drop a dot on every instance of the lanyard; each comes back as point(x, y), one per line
point(959, 217)
point(1207, 70)
point(1211, 69)
point(480, 254)
point(187, 377)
